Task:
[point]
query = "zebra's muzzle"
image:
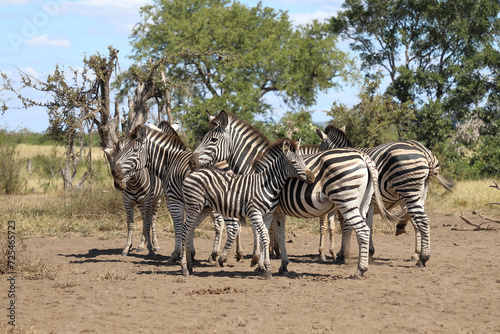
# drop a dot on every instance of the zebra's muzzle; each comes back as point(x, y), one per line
point(310, 178)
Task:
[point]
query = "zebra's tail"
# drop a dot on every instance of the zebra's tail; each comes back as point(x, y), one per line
point(434, 174)
point(386, 215)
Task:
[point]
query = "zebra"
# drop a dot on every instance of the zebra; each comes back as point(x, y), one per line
point(253, 196)
point(144, 190)
point(405, 171)
point(345, 178)
point(167, 157)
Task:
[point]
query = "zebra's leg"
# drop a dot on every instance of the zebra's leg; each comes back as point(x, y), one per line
point(278, 219)
point(233, 230)
point(263, 232)
point(147, 216)
point(176, 209)
point(421, 224)
point(403, 221)
point(195, 214)
point(322, 238)
point(239, 251)
point(369, 223)
point(345, 247)
point(331, 230)
point(219, 227)
point(129, 209)
point(256, 247)
point(418, 242)
point(156, 207)
point(355, 221)
point(274, 248)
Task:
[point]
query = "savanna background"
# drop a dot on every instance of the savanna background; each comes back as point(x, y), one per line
point(426, 70)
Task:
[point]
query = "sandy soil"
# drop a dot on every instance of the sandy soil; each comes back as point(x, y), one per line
point(99, 291)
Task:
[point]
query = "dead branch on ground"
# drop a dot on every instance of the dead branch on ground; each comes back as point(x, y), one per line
point(477, 226)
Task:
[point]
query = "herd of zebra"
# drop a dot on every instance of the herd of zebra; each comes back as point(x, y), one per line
point(237, 173)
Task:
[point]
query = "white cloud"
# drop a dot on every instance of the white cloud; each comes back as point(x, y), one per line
point(121, 14)
point(302, 18)
point(30, 71)
point(15, 2)
point(43, 40)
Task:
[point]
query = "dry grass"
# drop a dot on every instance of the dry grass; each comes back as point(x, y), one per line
point(466, 196)
point(29, 151)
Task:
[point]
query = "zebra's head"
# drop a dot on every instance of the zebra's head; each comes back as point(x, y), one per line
point(333, 137)
point(216, 144)
point(112, 153)
point(130, 159)
point(294, 165)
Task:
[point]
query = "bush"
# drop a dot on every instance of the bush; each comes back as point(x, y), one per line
point(11, 181)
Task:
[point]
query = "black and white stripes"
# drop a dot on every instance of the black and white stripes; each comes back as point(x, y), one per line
point(254, 196)
point(405, 170)
point(345, 178)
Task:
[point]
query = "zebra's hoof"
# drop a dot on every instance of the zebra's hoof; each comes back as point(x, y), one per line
point(358, 275)
point(283, 272)
point(239, 257)
point(157, 249)
point(185, 272)
point(172, 260)
point(268, 274)
point(125, 253)
point(212, 259)
point(140, 249)
point(221, 261)
point(254, 262)
point(420, 264)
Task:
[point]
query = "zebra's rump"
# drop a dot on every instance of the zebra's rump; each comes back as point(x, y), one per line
point(340, 176)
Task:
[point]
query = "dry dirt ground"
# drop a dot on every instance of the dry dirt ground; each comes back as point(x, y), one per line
point(96, 290)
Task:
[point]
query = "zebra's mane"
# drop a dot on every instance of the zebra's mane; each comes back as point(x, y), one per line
point(167, 128)
point(134, 132)
point(263, 159)
point(160, 136)
point(237, 121)
point(333, 132)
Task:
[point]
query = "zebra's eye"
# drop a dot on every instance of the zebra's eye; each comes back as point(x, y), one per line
point(213, 140)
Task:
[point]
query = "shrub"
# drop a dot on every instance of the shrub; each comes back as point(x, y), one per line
point(11, 181)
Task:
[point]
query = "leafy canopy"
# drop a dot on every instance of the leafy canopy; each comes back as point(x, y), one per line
point(269, 55)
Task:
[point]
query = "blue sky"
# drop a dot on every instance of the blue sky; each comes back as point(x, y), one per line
point(37, 35)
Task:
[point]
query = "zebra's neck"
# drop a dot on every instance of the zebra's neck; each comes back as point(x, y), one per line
point(138, 177)
point(246, 144)
point(273, 177)
point(161, 155)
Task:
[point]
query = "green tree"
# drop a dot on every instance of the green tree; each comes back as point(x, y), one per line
point(294, 125)
point(376, 119)
point(435, 53)
point(269, 56)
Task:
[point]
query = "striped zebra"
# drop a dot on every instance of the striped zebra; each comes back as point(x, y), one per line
point(345, 178)
point(167, 157)
point(405, 171)
point(253, 196)
point(144, 190)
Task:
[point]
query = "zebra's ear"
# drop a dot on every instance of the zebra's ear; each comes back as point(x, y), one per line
point(286, 145)
point(109, 151)
point(223, 119)
point(210, 117)
point(142, 133)
point(321, 134)
point(342, 129)
point(298, 143)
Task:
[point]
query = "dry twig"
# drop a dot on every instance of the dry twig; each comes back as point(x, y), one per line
point(477, 227)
